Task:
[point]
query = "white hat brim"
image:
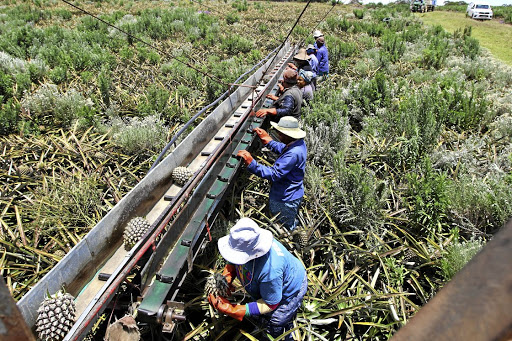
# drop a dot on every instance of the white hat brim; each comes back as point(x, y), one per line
point(295, 133)
point(238, 257)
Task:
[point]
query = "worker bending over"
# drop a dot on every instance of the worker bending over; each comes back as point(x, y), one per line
point(274, 278)
point(289, 101)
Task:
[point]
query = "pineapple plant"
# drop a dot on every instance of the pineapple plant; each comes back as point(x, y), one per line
point(180, 175)
point(56, 316)
point(217, 285)
point(134, 230)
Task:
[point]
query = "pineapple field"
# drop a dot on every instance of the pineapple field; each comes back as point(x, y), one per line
point(409, 143)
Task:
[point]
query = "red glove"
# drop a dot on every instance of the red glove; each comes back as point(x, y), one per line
point(263, 135)
point(229, 272)
point(265, 112)
point(236, 311)
point(244, 154)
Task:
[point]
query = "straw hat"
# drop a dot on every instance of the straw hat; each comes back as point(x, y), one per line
point(289, 126)
point(302, 55)
point(246, 241)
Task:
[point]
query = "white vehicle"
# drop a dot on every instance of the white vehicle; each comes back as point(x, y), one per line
point(479, 10)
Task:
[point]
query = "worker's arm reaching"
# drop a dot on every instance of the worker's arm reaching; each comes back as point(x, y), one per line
point(238, 311)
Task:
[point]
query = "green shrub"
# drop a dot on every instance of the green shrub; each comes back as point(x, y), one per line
point(6, 86)
point(138, 136)
point(9, 116)
point(240, 5)
point(325, 140)
point(52, 108)
point(481, 202)
point(236, 44)
point(59, 74)
point(335, 24)
point(457, 255)
point(427, 200)
point(155, 102)
point(357, 198)
point(372, 94)
point(435, 54)
point(393, 47)
point(358, 13)
point(328, 107)
point(232, 18)
point(105, 84)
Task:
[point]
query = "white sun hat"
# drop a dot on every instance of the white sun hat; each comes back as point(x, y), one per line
point(317, 34)
point(246, 241)
point(289, 126)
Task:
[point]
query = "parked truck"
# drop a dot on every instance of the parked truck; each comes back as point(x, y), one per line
point(422, 5)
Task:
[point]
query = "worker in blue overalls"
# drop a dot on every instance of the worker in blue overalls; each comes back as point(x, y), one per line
point(274, 278)
point(287, 173)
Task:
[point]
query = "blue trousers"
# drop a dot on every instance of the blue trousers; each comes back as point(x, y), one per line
point(281, 320)
point(287, 212)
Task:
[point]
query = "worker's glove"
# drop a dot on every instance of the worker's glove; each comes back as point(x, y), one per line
point(266, 111)
point(244, 154)
point(263, 135)
point(236, 311)
point(229, 273)
point(273, 97)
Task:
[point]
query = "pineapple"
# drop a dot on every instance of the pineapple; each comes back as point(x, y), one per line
point(134, 231)
point(217, 285)
point(181, 175)
point(24, 170)
point(56, 316)
point(410, 257)
point(301, 237)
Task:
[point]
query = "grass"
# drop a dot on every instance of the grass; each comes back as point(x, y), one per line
point(493, 35)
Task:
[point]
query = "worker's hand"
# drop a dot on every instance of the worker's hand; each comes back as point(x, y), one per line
point(280, 86)
point(292, 66)
point(244, 154)
point(272, 97)
point(266, 111)
point(263, 135)
point(236, 311)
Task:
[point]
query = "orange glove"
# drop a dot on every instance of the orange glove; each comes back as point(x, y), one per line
point(263, 135)
point(265, 112)
point(244, 154)
point(236, 311)
point(229, 273)
point(272, 97)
